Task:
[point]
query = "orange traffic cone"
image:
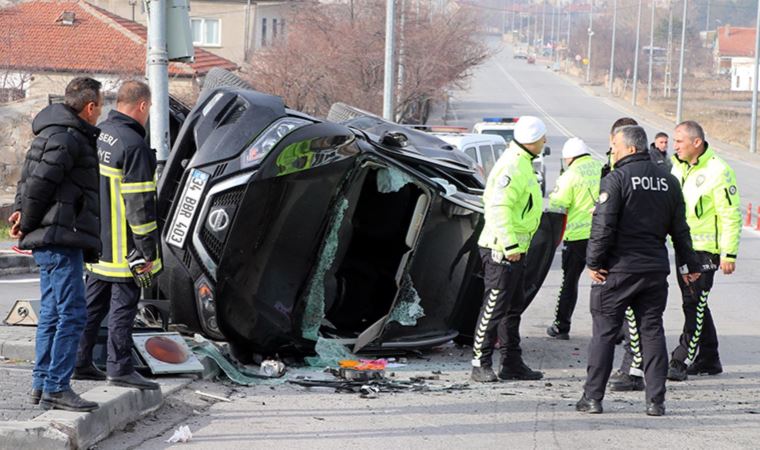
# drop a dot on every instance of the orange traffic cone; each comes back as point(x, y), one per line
point(748, 219)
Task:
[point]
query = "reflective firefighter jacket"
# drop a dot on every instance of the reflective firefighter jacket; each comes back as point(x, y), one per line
point(575, 193)
point(127, 198)
point(512, 202)
point(712, 204)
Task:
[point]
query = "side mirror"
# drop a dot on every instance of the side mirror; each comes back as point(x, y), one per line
point(547, 150)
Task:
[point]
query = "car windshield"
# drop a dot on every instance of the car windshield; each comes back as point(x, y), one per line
point(506, 134)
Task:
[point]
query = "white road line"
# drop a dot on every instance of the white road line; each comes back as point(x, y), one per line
point(548, 116)
point(21, 281)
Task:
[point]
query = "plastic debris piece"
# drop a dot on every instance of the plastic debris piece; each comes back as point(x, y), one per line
point(315, 297)
point(407, 310)
point(391, 180)
point(329, 353)
point(271, 368)
point(368, 391)
point(182, 434)
point(212, 396)
point(363, 364)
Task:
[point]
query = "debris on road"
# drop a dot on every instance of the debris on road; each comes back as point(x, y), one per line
point(212, 396)
point(182, 434)
point(272, 368)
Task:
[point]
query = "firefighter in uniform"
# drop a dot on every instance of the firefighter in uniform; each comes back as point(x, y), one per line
point(639, 205)
point(513, 204)
point(714, 217)
point(130, 257)
point(575, 194)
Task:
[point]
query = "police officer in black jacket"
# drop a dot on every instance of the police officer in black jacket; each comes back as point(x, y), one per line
point(639, 205)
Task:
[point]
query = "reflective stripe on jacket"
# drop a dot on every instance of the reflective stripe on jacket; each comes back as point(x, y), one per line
point(576, 192)
point(512, 202)
point(712, 204)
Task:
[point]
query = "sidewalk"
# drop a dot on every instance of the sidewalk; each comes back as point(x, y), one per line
point(26, 426)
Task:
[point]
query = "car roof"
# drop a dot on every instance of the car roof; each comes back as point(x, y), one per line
point(460, 140)
point(494, 126)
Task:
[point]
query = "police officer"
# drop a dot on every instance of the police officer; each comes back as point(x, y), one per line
point(513, 204)
point(639, 204)
point(713, 215)
point(129, 235)
point(575, 193)
point(658, 150)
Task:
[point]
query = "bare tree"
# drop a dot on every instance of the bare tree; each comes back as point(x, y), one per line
point(335, 53)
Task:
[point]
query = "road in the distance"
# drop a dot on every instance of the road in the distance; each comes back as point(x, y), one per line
point(507, 87)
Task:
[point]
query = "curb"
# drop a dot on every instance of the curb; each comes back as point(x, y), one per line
point(12, 263)
point(71, 430)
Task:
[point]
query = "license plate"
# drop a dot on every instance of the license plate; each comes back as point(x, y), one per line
point(187, 208)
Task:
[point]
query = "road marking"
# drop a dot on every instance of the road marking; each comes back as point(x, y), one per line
point(20, 281)
point(548, 116)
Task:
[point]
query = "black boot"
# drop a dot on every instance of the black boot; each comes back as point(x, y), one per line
point(553, 331)
point(705, 366)
point(620, 382)
point(88, 373)
point(67, 400)
point(133, 380)
point(34, 396)
point(483, 374)
point(655, 409)
point(515, 369)
point(677, 371)
point(589, 406)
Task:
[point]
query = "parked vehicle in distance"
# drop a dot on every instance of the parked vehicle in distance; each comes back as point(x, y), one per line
point(505, 127)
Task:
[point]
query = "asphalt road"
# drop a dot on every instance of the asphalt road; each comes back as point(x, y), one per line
point(507, 87)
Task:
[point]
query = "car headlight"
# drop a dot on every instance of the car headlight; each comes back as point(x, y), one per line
point(264, 144)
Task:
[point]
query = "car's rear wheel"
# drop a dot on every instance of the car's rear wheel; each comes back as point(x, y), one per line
point(218, 77)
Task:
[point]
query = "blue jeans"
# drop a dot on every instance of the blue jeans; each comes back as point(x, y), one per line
point(63, 313)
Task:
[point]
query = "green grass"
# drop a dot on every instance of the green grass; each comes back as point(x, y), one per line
point(5, 229)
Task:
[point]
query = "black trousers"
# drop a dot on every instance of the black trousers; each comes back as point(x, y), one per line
point(646, 294)
point(503, 305)
point(120, 299)
point(573, 263)
point(699, 334)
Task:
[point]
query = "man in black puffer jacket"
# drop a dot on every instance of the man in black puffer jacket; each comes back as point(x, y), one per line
point(57, 217)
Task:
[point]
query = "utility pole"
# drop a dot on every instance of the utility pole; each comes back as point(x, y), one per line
point(390, 19)
point(590, 33)
point(400, 65)
point(669, 63)
point(553, 36)
point(636, 58)
point(679, 106)
point(707, 19)
point(158, 79)
point(651, 58)
point(612, 47)
point(569, 28)
point(543, 24)
point(753, 128)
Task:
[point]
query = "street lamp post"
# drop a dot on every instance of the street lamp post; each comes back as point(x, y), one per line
point(612, 46)
point(390, 19)
point(636, 58)
point(679, 105)
point(753, 136)
point(651, 59)
point(590, 33)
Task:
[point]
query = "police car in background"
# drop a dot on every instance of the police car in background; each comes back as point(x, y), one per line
point(505, 127)
point(483, 148)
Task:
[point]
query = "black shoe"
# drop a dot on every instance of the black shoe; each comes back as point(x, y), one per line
point(133, 380)
point(88, 373)
point(621, 382)
point(589, 406)
point(677, 371)
point(34, 396)
point(705, 366)
point(483, 374)
point(518, 371)
point(67, 400)
point(554, 332)
point(655, 409)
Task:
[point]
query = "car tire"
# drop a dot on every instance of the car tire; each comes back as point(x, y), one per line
point(218, 77)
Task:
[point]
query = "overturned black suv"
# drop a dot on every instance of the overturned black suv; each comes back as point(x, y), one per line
point(280, 228)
